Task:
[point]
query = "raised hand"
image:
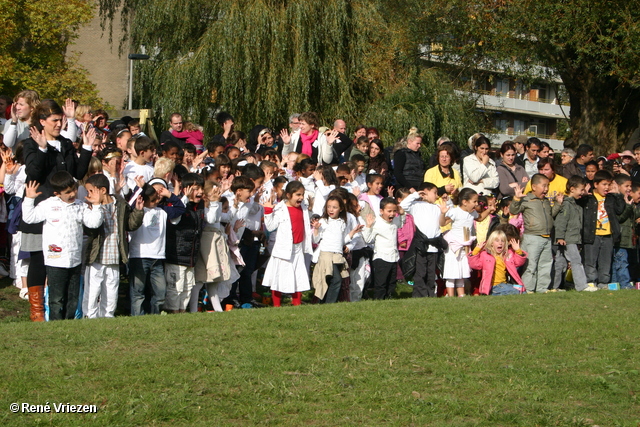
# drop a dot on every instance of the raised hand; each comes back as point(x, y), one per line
point(284, 135)
point(559, 198)
point(139, 203)
point(356, 190)
point(515, 245)
point(518, 194)
point(444, 208)
point(164, 192)
point(332, 136)
point(238, 225)
point(88, 136)
point(139, 180)
point(214, 194)
point(370, 220)
point(69, 109)
point(31, 189)
point(390, 190)
point(270, 200)
point(38, 137)
point(358, 228)
point(14, 112)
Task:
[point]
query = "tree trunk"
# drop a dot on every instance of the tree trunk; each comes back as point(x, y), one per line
point(604, 112)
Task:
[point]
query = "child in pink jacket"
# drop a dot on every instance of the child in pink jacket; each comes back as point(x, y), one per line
point(497, 261)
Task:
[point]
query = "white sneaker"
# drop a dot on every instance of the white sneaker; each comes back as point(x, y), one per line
point(590, 288)
point(24, 293)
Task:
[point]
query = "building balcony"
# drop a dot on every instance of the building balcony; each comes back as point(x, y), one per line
point(539, 107)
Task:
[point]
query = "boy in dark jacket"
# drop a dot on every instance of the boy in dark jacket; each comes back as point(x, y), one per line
point(183, 244)
point(568, 225)
point(620, 270)
point(601, 229)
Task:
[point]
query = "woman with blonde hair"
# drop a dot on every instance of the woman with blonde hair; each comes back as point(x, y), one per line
point(408, 166)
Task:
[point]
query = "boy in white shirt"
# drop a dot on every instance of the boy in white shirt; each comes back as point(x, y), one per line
point(426, 214)
point(145, 149)
point(63, 217)
point(382, 231)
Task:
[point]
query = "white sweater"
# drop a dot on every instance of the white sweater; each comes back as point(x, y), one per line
point(426, 216)
point(384, 236)
point(62, 229)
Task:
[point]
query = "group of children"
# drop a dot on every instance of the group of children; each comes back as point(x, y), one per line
point(178, 229)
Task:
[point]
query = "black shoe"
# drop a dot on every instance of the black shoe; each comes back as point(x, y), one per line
point(229, 300)
point(256, 304)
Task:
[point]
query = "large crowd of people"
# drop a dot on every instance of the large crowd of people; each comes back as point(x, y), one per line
point(199, 222)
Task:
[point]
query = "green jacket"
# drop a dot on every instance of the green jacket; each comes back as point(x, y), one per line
point(568, 222)
point(627, 223)
point(127, 220)
point(537, 214)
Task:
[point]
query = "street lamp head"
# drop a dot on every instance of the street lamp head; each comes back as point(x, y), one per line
point(139, 56)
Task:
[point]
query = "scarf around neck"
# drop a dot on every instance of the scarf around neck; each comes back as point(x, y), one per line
point(307, 142)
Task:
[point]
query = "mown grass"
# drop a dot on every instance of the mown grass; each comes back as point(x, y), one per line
point(568, 359)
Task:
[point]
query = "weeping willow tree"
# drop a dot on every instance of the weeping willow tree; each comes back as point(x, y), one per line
point(262, 60)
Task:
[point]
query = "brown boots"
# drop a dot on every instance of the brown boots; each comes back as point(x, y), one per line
point(36, 300)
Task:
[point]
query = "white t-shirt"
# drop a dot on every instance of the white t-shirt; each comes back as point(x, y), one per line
point(149, 240)
point(132, 170)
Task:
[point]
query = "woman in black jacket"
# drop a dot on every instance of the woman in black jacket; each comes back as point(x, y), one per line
point(46, 153)
point(408, 167)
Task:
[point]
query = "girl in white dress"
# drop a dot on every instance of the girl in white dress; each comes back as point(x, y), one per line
point(456, 265)
point(288, 267)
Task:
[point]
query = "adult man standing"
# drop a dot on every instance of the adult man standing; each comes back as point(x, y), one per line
point(584, 154)
point(177, 125)
point(530, 159)
point(519, 142)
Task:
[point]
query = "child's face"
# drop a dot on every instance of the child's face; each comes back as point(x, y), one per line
point(635, 196)
point(258, 182)
point(224, 170)
point(540, 189)
point(219, 150)
point(363, 147)
point(296, 198)
point(188, 158)
point(243, 195)
point(469, 205)
point(388, 212)
point(173, 154)
point(376, 186)
point(153, 201)
point(498, 246)
point(234, 154)
point(112, 165)
point(625, 188)
point(333, 209)
point(360, 168)
point(225, 206)
point(291, 160)
point(590, 171)
point(308, 171)
point(68, 195)
point(95, 193)
point(577, 191)
point(196, 195)
point(147, 155)
point(279, 190)
point(602, 187)
point(430, 195)
point(134, 130)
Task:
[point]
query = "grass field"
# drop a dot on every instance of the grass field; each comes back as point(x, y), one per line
point(565, 359)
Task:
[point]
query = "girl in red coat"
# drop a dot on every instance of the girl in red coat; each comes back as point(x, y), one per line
point(499, 261)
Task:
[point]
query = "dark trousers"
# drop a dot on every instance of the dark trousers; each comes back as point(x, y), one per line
point(597, 260)
point(37, 273)
point(64, 288)
point(335, 283)
point(384, 278)
point(250, 255)
point(424, 279)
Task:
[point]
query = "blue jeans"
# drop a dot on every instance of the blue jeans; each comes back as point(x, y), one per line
point(143, 271)
point(620, 270)
point(64, 286)
point(504, 289)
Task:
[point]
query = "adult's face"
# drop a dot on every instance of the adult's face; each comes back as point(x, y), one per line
point(360, 132)
point(543, 153)
point(305, 127)
point(444, 159)
point(51, 126)
point(23, 110)
point(3, 106)
point(565, 158)
point(340, 126)
point(482, 150)
point(532, 151)
point(374, 150)
point(547, 171)
point(414, 144)
point(294, 124)
point(372, 136)
point(509, 157)
point(176, 123)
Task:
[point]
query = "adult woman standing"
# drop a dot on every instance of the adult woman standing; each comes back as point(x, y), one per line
point(510, 174)
point(480, 172)
point(46, 153)
point(443, 175)
point(377, 160)
point(17, 128)
point(408, 167)
point(309, 141)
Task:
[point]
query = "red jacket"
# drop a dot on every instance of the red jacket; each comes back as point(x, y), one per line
point(486, 262)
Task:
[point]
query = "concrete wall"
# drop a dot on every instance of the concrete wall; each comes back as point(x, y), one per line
point(107, 69)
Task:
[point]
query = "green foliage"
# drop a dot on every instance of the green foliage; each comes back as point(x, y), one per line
point(34, 36)
point(263, 60)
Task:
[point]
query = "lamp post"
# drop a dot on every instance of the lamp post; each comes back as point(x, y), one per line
point(133, 57)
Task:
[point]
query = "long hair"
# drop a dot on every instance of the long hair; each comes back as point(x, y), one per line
point(497, 235)
point(343, 209)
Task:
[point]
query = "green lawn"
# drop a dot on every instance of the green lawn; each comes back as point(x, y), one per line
point(565, 359)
